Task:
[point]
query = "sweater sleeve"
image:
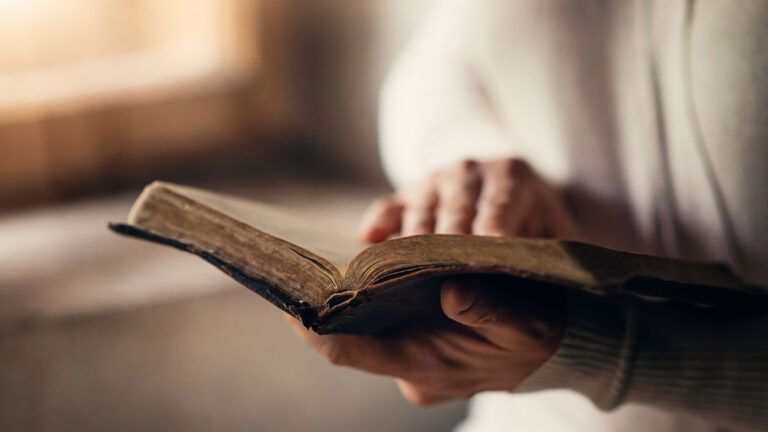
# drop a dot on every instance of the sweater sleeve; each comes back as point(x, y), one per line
point(680, 358)
point(434, 109)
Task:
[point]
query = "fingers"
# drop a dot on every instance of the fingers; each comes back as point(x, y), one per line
point(458, 189)
point(372, 354)
point(419, 212)
point(375, 355)
point(444, 203)
point(561, 222)
point(496, 198)
point(503, 208)
point(417, 357)
point(382, 219)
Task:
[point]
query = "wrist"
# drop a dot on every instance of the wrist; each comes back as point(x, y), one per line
point(593, 355)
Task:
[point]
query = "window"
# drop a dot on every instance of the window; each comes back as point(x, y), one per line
point(64, 53)
point(93, 92)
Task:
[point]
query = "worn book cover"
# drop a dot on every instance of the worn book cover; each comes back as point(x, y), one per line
point(317, 271)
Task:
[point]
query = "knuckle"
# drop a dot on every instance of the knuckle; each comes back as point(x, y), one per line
point(515, 167)
point(462, 170)
point(466, 166)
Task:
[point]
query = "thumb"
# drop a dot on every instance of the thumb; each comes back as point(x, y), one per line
point(500, 314)
point(464, 301)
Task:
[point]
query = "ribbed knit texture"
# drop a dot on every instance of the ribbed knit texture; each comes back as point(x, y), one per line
point(704, 362)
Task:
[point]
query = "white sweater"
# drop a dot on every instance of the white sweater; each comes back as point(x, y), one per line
point(652, 115)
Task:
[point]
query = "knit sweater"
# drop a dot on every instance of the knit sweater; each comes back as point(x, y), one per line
point(652, 117)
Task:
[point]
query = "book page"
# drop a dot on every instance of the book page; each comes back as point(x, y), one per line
point(321, 237)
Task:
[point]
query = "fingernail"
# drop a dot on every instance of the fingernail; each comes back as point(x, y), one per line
point(372, 234)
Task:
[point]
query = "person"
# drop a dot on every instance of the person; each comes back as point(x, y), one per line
point(638, 125)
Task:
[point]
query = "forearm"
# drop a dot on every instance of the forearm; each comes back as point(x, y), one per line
point(677, 358)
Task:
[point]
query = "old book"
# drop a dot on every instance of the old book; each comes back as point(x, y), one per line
point(317, 271)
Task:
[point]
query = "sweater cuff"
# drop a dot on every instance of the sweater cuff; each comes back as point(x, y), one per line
point(594, 355)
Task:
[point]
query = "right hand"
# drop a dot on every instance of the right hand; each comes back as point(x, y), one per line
point(506, 335)
point(502, 197)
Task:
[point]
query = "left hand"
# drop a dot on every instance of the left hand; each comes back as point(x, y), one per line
point(502, 197)
point(504, 335)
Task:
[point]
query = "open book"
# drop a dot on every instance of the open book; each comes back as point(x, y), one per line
point(317, 271)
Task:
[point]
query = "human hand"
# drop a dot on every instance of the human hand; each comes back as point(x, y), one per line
point(502, 335)
point(503, 197)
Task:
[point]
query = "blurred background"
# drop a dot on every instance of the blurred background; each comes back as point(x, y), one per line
point(270, 99)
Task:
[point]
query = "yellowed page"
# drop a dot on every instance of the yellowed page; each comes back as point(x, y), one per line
point(324, 238)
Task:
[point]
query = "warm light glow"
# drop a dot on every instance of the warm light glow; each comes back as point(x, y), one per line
point(74, 52)
point(14, 8)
